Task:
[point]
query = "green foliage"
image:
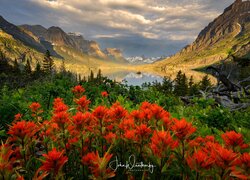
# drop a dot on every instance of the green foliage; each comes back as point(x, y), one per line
point(48, 63)
point(27, 67)
point(181, 84)
point(205, 83)
point(202, 112)
point(216, 117)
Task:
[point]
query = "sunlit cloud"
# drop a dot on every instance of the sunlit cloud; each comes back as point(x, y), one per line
point(164, 20)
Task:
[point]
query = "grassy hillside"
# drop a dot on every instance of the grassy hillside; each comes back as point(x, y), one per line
point(210, 55)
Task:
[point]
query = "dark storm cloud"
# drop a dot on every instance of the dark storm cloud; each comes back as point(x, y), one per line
point(155, 24)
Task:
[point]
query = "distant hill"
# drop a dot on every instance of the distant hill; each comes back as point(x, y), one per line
point(227, 34)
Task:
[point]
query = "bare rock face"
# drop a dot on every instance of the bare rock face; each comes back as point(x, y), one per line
point(93, 49)
point(113, 53)
point(231, 22)
point(58, 37)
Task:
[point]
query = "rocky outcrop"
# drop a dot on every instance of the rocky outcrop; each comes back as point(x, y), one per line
point(113, 53)
point(231, 23)
point(228, 34)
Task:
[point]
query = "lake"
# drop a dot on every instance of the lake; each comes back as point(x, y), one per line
point(136, 79)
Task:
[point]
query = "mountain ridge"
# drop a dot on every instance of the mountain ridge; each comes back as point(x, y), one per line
point(217, 40)
point(56, 36)
point(19, 34)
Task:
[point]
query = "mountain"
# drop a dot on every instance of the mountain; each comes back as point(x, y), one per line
point(21, 35)
point(57, 37)
point(115, 54)
point(37, 30)
point(144, 60)
point(229, 33)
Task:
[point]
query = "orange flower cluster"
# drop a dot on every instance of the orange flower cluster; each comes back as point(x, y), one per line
point(81, 141)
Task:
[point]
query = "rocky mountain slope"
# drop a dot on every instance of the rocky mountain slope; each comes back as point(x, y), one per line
point(57, 37)
point(21, 35)
point(227, 34)
point(115, 54)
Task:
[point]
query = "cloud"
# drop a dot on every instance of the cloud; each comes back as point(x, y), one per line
point(163, 20)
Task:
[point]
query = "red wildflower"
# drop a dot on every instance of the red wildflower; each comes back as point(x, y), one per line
point(161, 142)
point(53, 162)
point(117, 112)
point(78, 90)
point(245, 160)
point(59, 106)
point(18, 117)
point(98, 165)
point(5, 158)
point(88, 158)
point(20, 178)
point(78, 120)
point(233, 139)
point(23, 129)
point(82, 122)
point(224, 158)
point(183, 129)
point(137, 115)
point(239, 174)
point(83, 104)
point(167, 121)
point(159, 112)
point(200, 160)
point(199, 141)
point(35, 107)
point(110, 137)
point(143, 131)
point(147, 114)
point(61, 118)
point(145, 105)
point(100, 112)
point(130, 135)
point(242, 168)
point(127, 124)
point(104, 94)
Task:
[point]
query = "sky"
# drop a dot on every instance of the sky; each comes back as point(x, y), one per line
point(137, 27)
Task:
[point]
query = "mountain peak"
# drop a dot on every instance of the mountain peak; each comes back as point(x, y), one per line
point(55, 29)
point(231, 21)
point(229, 30)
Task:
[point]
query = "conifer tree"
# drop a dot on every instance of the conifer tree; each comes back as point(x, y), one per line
point(48, 62)
point(99, 76)
point(91, 77)
point(193, 87)
point(205, 83)
point(4, 65)
point(16, 68)
point(38, 67)
point(27, 68)
point(181, 84)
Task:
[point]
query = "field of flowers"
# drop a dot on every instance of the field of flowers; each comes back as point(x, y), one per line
point(108, 141)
